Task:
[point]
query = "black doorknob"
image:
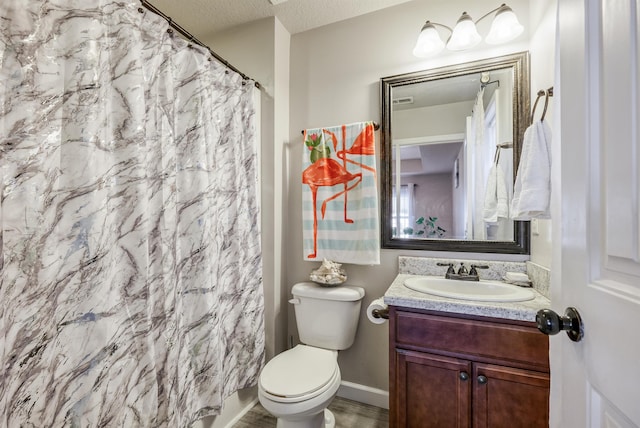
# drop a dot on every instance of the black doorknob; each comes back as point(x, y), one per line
point(551, 323)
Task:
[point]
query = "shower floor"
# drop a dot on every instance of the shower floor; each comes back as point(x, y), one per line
point(348, 413)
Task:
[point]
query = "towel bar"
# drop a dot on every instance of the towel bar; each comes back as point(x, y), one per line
point(376, 126)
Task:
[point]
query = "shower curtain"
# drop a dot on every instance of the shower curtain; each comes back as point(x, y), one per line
point(131, 290)
point(476, 228)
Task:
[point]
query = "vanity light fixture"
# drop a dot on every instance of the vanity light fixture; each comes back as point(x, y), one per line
point(504, 28)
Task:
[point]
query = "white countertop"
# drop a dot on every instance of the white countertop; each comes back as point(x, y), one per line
point(399, 295)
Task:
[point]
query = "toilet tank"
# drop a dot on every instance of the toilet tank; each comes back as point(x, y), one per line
point(327, 317)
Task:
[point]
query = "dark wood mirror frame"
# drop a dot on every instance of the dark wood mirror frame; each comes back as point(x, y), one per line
point(521, 107)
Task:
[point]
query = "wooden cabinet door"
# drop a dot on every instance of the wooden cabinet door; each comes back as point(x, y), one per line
point(509, 397)
point(432, 391)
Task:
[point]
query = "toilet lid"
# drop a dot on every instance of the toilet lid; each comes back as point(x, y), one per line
point(298, 371)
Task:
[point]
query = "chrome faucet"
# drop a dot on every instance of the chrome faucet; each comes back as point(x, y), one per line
point(463, 274)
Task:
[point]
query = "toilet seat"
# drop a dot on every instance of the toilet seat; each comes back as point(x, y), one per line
point(299, 374)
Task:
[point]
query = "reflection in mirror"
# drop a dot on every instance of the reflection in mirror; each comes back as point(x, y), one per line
point(449, 156)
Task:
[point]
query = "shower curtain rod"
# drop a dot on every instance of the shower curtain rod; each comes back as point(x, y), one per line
point(193, 39)
point(484, 85)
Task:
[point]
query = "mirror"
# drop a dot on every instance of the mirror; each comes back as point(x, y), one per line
point(451, 140)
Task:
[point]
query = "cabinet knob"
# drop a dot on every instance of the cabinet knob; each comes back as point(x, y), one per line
point(482, 380)
point(464, 375)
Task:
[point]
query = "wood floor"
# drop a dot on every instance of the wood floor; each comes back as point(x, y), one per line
point(348, 414)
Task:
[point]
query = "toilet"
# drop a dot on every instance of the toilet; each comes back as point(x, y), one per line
point(297, 385)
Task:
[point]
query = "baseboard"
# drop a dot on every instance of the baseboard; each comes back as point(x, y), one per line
point(241, 413)
point(364, 394)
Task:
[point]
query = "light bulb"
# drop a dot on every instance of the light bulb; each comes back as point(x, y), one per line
point(505, 27)
point(465, 35)
point(429, 42)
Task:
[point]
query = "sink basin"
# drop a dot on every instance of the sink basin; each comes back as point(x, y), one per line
point(484, 291)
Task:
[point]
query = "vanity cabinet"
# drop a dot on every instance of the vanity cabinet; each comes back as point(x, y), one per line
point(451, 370)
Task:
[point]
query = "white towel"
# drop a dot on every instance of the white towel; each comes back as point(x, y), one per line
point(516, 276)
point(496, 200)
point(532, 191)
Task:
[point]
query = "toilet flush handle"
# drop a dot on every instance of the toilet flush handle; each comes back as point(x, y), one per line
point(294, 301)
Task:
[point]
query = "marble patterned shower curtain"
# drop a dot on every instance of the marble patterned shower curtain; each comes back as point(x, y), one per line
point(131, 290)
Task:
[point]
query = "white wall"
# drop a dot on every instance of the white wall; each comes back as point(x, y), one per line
point(443, 119)
point(335, 73)
point(543, 21)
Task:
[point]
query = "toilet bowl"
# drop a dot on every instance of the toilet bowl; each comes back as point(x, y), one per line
point(297, 386)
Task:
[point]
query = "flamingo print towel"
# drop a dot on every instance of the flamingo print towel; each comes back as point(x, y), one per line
point(340, 195)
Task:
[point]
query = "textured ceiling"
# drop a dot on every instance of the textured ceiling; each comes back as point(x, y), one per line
point(203, 18)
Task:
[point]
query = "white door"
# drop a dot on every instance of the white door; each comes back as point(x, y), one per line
point(596, 231)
